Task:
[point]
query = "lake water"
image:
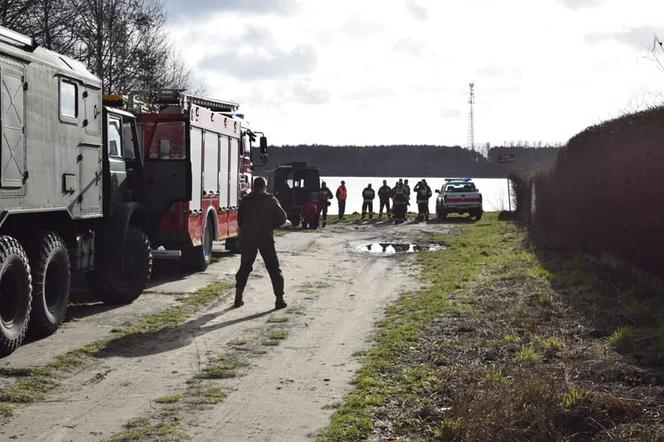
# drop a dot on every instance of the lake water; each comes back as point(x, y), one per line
point(494, 192)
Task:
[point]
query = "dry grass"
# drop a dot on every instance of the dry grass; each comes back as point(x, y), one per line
point(533, 350)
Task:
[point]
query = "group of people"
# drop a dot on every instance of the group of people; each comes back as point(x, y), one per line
point(393, 200)
point(314, 211)
point(399, 198)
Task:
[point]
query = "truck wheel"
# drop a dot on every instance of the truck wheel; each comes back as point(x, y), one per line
point(198, 258)
point(233, 244)
point(123, 281)
point(15, 294)
point(478, 215)
point(442, 214)
point(51, 283)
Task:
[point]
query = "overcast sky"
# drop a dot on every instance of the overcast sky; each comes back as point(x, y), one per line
point(397, 71)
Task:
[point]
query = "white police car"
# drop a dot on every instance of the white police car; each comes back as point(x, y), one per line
point(459, 195)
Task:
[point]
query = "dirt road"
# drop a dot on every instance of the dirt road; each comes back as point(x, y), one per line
point(286, 392)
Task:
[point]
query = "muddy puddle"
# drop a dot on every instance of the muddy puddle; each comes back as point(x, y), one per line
point(392, 248)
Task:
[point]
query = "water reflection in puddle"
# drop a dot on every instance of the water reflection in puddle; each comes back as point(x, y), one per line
point(392, 248)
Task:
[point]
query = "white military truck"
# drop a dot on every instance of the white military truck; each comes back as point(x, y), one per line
point(71, 196)
point(459, 195)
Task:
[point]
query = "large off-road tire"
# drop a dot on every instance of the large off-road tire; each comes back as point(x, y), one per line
point(123, 279)
point(478, 215)
point(15, 294)
point(199, 258)
point(51, 283)
point(442, 214)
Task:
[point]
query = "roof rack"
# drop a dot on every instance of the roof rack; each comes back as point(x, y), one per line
point(178, 97)
point(15, 38)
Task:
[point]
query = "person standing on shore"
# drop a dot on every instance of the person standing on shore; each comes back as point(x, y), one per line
point(384, 194)
point(422, 193)
point(406, 187)
point(368, 195)
point(342, 193)
point(399, 195)
point(324, 201)
point(259, 214)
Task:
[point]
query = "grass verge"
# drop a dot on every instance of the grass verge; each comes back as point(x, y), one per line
point(381, 377)
point(509, 342)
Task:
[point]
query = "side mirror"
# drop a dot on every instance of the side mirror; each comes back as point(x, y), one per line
point(263, 144)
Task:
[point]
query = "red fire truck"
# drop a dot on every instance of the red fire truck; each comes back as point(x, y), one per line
point(198, 163)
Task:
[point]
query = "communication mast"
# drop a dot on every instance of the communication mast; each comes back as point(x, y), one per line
point(471, 118)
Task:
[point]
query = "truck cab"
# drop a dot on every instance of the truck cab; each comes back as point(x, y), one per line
point(293, 184)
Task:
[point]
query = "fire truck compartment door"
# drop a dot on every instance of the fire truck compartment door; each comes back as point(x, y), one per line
point(167, 169)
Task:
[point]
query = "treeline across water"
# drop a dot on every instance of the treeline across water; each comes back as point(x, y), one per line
point(414, 160)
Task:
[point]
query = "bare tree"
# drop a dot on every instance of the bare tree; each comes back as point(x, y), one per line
point(657, 52)
point(13, 13)
point(122, 41)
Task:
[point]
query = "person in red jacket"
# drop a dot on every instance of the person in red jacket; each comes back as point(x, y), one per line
point(342, 193)
point(310, 213)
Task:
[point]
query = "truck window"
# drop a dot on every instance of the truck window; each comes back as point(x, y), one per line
point(68, 99)
point(460, 187)
point(168, 141)
point(128, 140)
point(114, 143)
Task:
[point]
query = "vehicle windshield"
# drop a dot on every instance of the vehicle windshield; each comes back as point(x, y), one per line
point(459, 187)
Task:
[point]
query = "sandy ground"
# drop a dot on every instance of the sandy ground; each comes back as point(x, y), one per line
point(336, 292)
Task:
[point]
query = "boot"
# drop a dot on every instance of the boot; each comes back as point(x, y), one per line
point(280, 303)
point(238, 300)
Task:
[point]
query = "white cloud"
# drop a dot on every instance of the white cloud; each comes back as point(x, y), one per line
point(263, 64)
point(410, 46)
point(184, 9)
point(305, 92)
point(416, 10)
point(543, 70)
point(639, 37)
point(576, 4)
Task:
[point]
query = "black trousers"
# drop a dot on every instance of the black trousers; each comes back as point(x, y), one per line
point(342, 208)
point(367, 207)
point(423, 208)
point(269, 254)
point(386, 204)
point(399, 211)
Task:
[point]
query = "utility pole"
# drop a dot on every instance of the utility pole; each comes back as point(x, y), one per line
point(471, 118)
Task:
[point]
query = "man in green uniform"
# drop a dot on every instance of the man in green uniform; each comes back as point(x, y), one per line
point(259, 214)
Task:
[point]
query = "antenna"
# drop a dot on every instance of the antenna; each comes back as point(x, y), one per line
point(471, 118)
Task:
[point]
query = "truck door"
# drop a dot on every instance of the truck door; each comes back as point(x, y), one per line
point(117, 175)
point(167, 169)
point(12, 155)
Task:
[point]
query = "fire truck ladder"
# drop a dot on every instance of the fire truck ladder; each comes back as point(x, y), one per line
point(178, 97)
